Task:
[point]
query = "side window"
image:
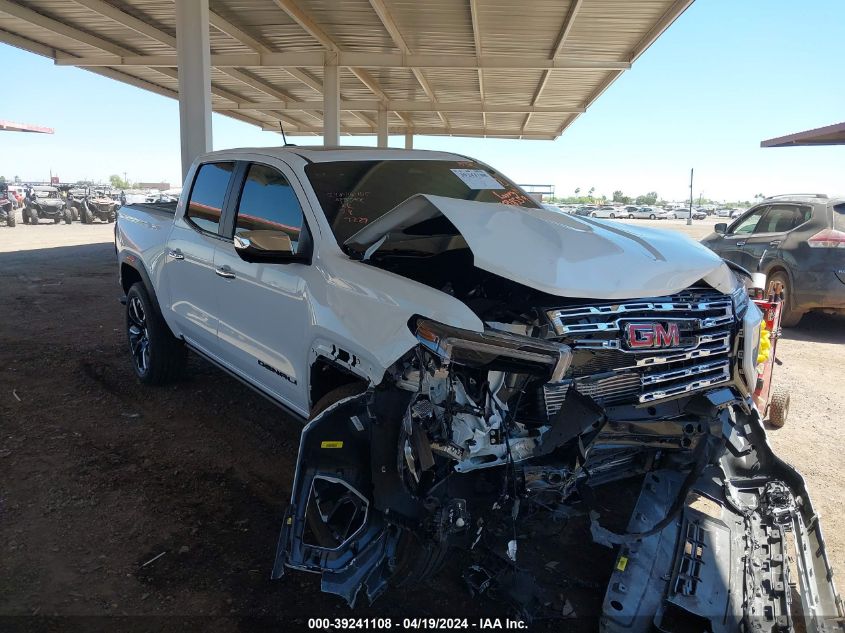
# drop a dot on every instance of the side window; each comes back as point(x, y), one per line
point(268, 207)
point(746, 225)
point(782, 218)
point(208, 194)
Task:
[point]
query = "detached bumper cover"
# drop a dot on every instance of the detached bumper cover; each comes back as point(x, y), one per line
point(745, 553)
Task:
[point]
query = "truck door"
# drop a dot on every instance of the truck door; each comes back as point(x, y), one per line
point(264, 312)
point(189, 256)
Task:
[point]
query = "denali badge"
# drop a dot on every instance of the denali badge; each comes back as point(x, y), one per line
point(652, 335)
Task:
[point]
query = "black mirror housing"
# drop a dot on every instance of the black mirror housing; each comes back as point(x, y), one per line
point(721, 227)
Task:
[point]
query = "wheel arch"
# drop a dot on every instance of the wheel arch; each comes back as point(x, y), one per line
point(132, 270)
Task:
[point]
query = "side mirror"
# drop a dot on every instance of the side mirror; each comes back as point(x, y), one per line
point(269, 247)
point(721, 228)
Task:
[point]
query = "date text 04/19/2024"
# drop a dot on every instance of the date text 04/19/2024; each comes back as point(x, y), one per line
point(411, 624)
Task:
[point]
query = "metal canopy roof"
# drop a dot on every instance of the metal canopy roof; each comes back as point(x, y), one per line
point(11, 126)
point(496, 68)
point(828, 135)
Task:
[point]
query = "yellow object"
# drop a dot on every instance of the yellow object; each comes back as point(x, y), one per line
point(765, 348)
point(328, 444)
point(622, 563)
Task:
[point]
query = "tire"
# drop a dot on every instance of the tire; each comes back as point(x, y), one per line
point(630, 216)
point(111, 217)
point(779, 408)
point(158, 357)
point(25, 216)
point(87, 216)
point(33, 216)
point(74, 211)
point(789, 316)
point(11, 220)
point(612, 216)
point(652, 217)
point(592, 215)
point(68, 216)
point(56, 220)
point(336, 395)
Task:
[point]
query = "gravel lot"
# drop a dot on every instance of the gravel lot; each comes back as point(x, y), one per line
point(101, 476)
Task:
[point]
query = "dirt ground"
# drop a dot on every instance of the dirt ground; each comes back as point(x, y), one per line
point(122, 500)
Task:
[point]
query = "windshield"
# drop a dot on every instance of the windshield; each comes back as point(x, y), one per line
point(356, 193)
point(46, 194)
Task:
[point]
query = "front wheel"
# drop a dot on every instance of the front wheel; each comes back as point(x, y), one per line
point(33, 216)
point(158, 357)
point(74, 214)
point(592, 215)
point(778, 283)
point(652, 217)
point(87, 216)
point(57, 219)
point(68, 216)
point(612, 216)
point(630, 216)
point(10, 219)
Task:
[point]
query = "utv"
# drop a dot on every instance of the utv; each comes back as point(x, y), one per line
point(7, 206)
point(100, 206)
point(45, 203)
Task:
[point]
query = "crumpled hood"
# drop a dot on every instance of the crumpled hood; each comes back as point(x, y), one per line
point(563, 255)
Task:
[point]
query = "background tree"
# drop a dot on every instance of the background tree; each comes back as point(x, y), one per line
point(590, 192)
point(119, 183)
point(577, 191)
point(2, 178)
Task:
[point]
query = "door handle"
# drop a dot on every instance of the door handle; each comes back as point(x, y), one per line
point(774, 243)
point(175, 254)
point(742, 243)
point(224, 272)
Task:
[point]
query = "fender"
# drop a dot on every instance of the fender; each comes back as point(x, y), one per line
point(136, 263)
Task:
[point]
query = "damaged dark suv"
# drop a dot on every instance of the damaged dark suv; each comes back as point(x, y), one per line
point(489, 380)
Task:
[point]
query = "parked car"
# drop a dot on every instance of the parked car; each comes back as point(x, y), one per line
point(606, 211)
point(45, 203)
point(699, 214)
point(799, 242)
point(630, 212)
point(723, 213)
point(7, 206)
point(485, 382)
point(586, 209)
point(648, 212)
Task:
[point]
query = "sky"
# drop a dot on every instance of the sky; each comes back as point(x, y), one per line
point(726, 75)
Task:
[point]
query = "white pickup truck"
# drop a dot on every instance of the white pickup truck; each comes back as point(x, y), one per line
point(486, 377)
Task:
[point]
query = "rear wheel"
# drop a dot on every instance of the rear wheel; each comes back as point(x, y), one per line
point(592, 215)
point(790, 316)
point(630, 216)
point(33, 216)
point(612, 216)
point(652, 217)
point(158, 357)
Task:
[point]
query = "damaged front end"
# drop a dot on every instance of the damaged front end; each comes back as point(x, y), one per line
point(503, 444)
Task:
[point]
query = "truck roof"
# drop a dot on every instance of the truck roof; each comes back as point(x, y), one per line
point(321, 154)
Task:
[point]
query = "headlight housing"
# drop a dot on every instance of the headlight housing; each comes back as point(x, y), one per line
point(751, 322)
point(494, 350)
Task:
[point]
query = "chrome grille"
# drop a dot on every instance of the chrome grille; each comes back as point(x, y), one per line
point(605, 368)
